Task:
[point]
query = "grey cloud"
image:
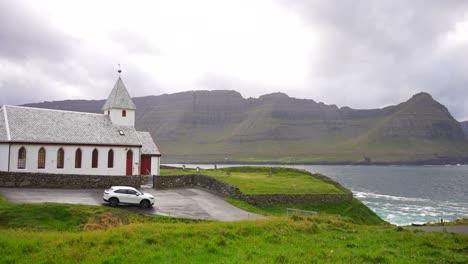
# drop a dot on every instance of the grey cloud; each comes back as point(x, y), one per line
point(371, 54)
point(378, 52)
point(25, 37)
point(134, 42)
point(38, 63)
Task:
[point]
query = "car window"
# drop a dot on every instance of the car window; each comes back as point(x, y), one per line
point(131, 192)
point(121, 191)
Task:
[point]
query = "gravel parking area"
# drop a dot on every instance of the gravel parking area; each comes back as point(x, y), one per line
point(184, 202)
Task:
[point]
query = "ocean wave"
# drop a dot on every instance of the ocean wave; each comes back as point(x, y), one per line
point(388, 197)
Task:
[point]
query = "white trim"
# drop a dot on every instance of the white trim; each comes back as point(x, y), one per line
point(6, 123)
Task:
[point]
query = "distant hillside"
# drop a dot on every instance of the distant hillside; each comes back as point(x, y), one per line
point(222, 126)
point(464, 126)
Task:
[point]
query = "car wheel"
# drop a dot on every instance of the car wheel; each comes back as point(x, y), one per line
point(145, 204)
point(113, 202)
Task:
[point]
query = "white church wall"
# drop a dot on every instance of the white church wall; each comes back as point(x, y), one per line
point(155, 162)
point(4, 157)
point(118, 119)
point(120, 159)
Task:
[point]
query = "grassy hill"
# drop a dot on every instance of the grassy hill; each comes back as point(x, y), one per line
point(221, 126)
point(265, 180)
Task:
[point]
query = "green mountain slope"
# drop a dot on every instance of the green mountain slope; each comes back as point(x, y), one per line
point(222, 126)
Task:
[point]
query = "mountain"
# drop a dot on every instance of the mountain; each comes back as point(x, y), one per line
point(222, 126)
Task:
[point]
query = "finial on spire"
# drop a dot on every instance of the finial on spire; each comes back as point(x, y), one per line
point(119, 71)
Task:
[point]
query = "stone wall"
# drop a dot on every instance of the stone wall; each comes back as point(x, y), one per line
point(47, 180)
point(210, 183)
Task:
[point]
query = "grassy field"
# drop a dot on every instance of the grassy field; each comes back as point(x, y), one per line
point(341, 232)
point(263, 180)
point(296, 239)
point(56, 233)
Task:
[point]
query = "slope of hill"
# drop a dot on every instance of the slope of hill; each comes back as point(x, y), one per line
point(464, 125)
point(222, 126)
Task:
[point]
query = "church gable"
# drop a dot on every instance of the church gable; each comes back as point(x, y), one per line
point(148, 145)
point(3, 128)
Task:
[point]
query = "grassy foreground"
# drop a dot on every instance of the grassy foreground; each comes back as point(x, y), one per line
point(319, 239)
point(265, 180)
point(70, 217)
point(119, 236)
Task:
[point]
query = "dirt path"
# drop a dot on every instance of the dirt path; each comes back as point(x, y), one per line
point(451, 229)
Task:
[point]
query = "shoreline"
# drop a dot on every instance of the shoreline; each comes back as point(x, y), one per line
point(346, 163)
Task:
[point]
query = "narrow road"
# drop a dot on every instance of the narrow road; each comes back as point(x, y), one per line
point(463, 229)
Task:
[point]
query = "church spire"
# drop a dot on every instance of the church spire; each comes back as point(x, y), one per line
point(119, 97)
point(119, 105)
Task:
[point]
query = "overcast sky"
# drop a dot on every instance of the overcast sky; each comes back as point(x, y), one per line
point(362, 54)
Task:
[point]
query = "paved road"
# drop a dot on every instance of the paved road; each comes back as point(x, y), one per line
point(184, 202)
point(450, 229)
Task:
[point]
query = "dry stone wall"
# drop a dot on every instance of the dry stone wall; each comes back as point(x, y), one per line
point(47, 180)
point(227, 190)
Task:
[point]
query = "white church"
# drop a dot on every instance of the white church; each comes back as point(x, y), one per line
point(67, 142)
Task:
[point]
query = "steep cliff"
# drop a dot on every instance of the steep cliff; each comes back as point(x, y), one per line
point(224, 126)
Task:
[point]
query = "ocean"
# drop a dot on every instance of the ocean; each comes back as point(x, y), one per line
point(401, 195)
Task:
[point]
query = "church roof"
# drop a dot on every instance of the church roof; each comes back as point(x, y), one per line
point(148, 145)
point(119, 98)
point(37, 125)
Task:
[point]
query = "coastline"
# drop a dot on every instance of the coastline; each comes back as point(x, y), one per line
point(460, 161)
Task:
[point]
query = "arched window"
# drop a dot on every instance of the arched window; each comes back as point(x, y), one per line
point(124, 113)
point(60, 158)
point(22, 158)
point(78, 158)
point(94, 159)
point(41, 157)
point(108, 112)
point(110, 159)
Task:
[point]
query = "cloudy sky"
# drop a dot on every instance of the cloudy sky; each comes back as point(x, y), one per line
point(362, 54)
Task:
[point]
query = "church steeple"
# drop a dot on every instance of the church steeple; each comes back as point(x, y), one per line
point(119, 98)
point(119, 105)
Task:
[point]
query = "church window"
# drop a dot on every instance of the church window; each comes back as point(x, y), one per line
point(78, 158)
point(94, 159)
point(22, 158)
point(110, 159)
point(60, 158)
point(41, 158)
point(124, 113)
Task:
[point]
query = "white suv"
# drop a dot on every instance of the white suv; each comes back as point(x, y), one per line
point(127, 195)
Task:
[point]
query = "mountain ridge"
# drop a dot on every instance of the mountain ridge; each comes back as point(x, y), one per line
point(223, 126)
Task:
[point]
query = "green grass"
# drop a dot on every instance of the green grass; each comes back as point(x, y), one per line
point(264, 180)
point(312, 239)
point(68, 217)
point(318, 238)
point(353, 210)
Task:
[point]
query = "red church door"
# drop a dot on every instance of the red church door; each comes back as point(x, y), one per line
point(145, 165)
point(129, 162)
